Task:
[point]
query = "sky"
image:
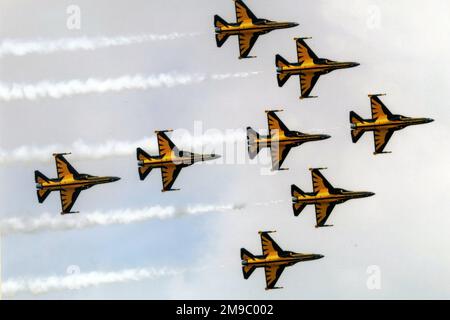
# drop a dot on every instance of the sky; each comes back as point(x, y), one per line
point(403, 230)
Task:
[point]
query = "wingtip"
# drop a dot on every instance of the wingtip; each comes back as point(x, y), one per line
point(323, 168)
point(163, 131)
point(61, 154)
point(261, 232)
point(276, 110)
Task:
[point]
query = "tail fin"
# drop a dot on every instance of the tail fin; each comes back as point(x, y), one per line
point(253, 145)
point(143, 170)
point(280, 62)
point(297, 206)
point(40, 178)
point(247, 270)
point(218, 24)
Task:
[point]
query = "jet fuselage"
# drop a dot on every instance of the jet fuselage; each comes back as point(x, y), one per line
point(84, 181)
point(293, 138)
point(262, 26)
point(323, 65)
point(286, 258)
point(395, 123)
point(337, 196)
point(184, 159)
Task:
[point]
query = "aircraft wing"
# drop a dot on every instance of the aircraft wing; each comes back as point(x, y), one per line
point(273, 273)
point(319, 181)
point(379, 110)
point(63, 167)
point(307, 82)
point(243, 13)
point(323, 211)
point(279, 153)
point(304, 52)
point(165, 145)
point(246, 42)
point(275, 123)
point(68, 198)
point(169, 174)
point(269, 246)
point(381, 138)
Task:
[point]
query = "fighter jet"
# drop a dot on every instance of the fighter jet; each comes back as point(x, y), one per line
point(247, 27)
point(170, 160)
point(383, 123)
point(273, 259)
point(280, 140)
point(69, 183)
point(309, 68)
point(324, 197)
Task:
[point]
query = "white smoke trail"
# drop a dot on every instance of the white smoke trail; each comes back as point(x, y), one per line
point(83, 151)
point(57, 90)
point(16, 47)
point(83, 280)
point(54, 222)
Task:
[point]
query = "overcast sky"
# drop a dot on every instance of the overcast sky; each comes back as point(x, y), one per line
point(402, 47)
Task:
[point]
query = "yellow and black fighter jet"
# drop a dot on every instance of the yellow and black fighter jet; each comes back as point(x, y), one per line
point(273, 259)
point(324, 197)
point(309, 68)
point(280, 140)
point(383, 123)
point(69, 183)
point(170, 160)
point(247, 27)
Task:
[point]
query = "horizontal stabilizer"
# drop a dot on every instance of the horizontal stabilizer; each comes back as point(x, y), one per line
point(219, 22)
point(280, 62)
point(357, 134)
point(296, 192)
point(42, 194)
point(354, 118)
point(40, 177)
point(144, 171)
point(298, 207)
point(253, 145)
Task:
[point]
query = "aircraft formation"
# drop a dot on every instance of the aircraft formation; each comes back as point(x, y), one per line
point(280, 140)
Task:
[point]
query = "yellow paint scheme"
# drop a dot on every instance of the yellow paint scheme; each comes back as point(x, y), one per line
point(273, 260)
point(383, 124)
point(309, 67)
point(324, 197)
point(247, 27)
point(69, 182)
point(170, 160)
point(280, 140)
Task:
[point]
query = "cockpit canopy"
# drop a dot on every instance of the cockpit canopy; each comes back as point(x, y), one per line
point(85, 176)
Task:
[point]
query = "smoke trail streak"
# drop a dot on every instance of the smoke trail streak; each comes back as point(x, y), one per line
point(57, 90)
point(16, 47)
point(82, 151)
point(83, 280)
point(53, 222)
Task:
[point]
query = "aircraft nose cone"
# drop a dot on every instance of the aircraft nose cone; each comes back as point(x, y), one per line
point(319, 256)
point(294, 24)
point(325, 136)
point(370, 194)
point(113, 179)
point(354, 64)
point(430, 120)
